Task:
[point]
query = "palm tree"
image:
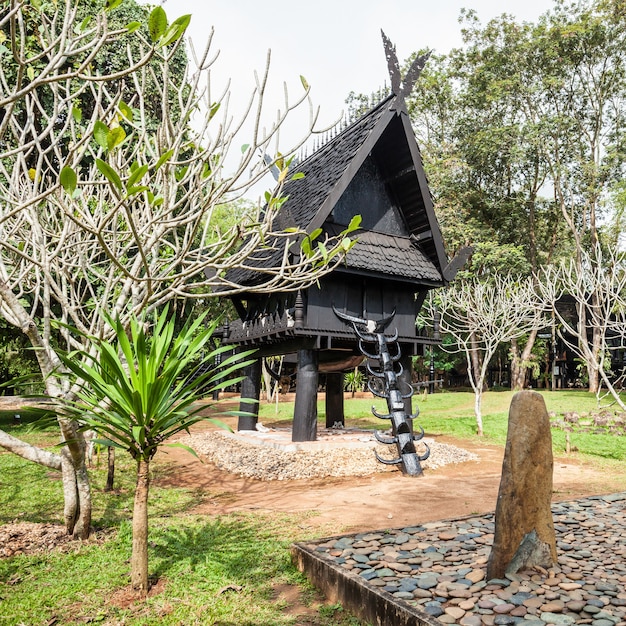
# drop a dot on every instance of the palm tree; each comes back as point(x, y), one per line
point(139, 391)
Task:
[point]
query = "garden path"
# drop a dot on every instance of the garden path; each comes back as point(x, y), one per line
point(381, 500)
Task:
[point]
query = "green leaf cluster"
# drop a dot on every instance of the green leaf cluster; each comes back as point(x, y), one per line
point(162, 33)
point(139, 390)
point(312, 245)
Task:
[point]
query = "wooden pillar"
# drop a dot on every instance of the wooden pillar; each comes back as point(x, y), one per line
point(305, 410)
point(405, 381)
point(250, 390)
point(334, 399)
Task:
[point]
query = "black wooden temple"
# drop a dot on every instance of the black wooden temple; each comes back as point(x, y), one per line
point(372, 168)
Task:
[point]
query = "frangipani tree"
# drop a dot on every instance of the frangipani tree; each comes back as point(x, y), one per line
point(597, 285)
point(138, 391)
point(106, 210)
point(480, 315)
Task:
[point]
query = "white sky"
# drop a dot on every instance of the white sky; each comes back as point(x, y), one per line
point(335, 44)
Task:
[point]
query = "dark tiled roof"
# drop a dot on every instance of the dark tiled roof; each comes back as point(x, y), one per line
point(323, 169)
point(391, 255)
point(256, 263)
point(330, 170)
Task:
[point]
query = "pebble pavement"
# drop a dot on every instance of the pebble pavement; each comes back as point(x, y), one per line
point(440, 568)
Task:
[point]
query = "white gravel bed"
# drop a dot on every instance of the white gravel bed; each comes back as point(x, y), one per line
point(266, 463)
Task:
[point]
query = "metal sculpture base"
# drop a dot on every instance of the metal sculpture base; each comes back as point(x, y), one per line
point(385, 383)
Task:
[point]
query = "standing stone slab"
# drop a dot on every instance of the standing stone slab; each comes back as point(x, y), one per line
point(524, 529)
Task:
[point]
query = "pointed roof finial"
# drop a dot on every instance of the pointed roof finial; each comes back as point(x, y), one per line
point(414, 73)
point(392, 64)
point(401, 87)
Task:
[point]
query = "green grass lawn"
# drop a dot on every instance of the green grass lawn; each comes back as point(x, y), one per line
point(221, 571)
point(213, 570)
point(452, 414)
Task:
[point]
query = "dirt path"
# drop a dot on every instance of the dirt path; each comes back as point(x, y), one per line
point(381, 500)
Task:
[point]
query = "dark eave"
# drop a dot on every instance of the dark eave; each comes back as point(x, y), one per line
point(389, 256)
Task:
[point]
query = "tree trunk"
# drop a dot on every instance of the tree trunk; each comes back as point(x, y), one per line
point(76, 491)
point(528, 348)
point(110, 468)
point(594, 377)
point(586, 348)
point(77, 497)
point(476, 361)
point(71, 506)
point(139, 557)
point(476, 375)
point(592, 367)
point(82, 527)
point(478, 411)
point(518, 370)
point(267, 382)
point(76, 488)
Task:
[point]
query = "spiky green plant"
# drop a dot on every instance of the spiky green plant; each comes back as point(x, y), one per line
point(138, 391)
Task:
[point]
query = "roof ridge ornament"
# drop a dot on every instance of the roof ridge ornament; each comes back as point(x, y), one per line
point(399, 86)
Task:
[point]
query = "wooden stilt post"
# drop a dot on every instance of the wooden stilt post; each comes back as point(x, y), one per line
point(305, 410)
point(334, 399)
point(250, 392)
point(405, 380)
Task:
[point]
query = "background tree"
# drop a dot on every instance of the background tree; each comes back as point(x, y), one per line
point(481, 166)
point(597, 284)
point(104, 212)
point(480, 316)
point(586, 47)
point(522, 135)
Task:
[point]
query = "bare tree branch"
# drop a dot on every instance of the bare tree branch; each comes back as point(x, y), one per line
point(480, 316)
point(597, 283)
point(109, 182)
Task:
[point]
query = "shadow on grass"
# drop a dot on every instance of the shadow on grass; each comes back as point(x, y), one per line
point(113, 507)
point(33, 493)
point(243, 551)
point(29, 492)
point(33, 418)
point(38, 427)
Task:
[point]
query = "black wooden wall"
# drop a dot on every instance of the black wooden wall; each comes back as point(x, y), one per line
point(362, 297)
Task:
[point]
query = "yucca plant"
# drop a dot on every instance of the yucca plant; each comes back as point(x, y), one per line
point(354, 381)
point(138, 391)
